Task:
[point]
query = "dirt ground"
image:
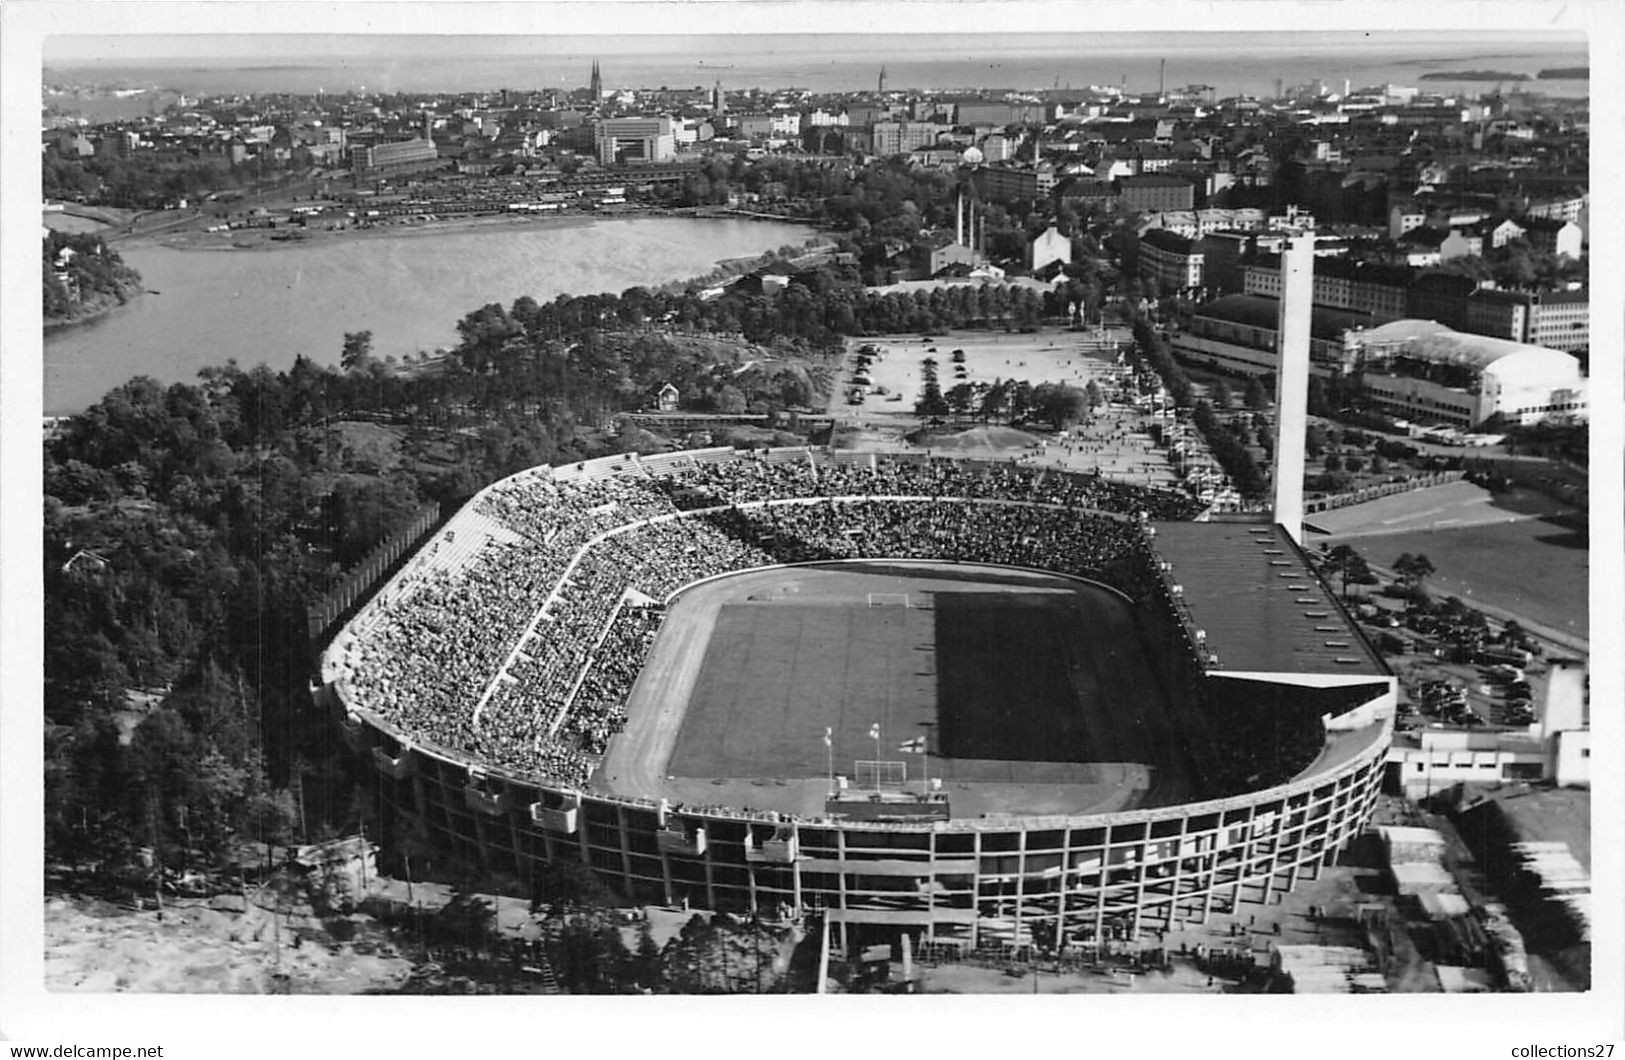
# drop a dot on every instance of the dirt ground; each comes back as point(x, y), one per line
point(97, 947)
point(1048, 356)
point(1116, 442)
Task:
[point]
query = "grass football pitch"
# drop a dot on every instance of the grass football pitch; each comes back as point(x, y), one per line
point(999, 683)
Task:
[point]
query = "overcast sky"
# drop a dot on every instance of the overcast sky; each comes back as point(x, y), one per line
point(251, 45)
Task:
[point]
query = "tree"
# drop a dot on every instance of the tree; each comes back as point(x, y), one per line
point(1319, 400)
point(357, 353)
point(932, 405)
point(961, 398)
point(646, 959)
point(1257, 399)
point(1060, 404)
point(1349, 565)
point(1413, 570)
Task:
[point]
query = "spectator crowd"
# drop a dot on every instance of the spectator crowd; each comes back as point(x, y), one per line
point(523, 653)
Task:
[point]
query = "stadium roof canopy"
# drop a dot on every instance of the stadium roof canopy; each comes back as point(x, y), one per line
point(1250, 589)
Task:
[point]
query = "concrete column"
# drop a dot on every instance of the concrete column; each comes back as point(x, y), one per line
point(1292, 381)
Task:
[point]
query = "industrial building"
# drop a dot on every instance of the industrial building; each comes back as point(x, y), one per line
point(1005, 184)
point(1153, 193)
point(648, 139)
point(401, 157)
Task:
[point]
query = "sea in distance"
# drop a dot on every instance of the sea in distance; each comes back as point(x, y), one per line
point(410, 289)
point(1233, 64)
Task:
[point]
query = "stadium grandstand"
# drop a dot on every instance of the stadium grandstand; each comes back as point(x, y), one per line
point(490, 680)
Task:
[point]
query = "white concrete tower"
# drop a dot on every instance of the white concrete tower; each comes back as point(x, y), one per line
point(959, 219)
point(1292, 380)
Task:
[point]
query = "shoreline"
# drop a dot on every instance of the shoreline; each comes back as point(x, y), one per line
point(259, 239)
point(98, 313)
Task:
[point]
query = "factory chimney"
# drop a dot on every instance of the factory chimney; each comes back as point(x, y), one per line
point(1292, 380)
point(959, 219)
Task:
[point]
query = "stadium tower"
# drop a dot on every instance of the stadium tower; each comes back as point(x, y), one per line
point(1292, 381)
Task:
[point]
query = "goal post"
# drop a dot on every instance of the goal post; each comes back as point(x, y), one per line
point(879, 776)
point(889, 600)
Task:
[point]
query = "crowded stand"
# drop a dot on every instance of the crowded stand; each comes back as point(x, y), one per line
point(524, 654)
point(743, 481)
point(599, 711)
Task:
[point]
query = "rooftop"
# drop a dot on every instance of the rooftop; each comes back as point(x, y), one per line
point(1262, 311)
point(1432, 341)
point(1264, 611)
point(1155, 180)
point(1172, 242)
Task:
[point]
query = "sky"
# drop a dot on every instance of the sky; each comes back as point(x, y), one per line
point(62, 49)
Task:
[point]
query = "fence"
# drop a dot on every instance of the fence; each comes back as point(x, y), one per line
point(359, 581)
point(1387, 489)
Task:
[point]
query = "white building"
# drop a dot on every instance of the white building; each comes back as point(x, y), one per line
point(1419, 369)
point(1556, 748)
point(650, 139)
point(1049, 246)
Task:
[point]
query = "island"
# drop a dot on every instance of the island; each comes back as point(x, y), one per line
point(1566, 73)
point(1473, 75)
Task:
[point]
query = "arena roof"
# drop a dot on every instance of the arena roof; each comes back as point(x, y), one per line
point(1262, 311)
point(1249, 587)
point(1432, 341)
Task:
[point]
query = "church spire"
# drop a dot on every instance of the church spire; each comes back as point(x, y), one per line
point(596, 87)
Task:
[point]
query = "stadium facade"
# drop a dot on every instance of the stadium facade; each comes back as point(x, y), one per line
point(1287, 701)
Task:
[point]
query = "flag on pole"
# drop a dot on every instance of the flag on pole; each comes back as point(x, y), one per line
point(874, 731)
point(914, 746)
point(828, 732)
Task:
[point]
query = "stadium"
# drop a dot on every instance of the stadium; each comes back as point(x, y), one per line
point(977, 702)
